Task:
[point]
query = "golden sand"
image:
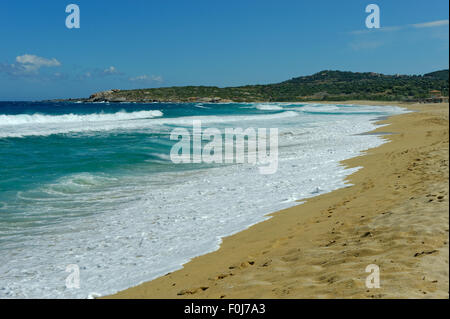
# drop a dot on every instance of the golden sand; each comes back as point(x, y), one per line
point(396, 215)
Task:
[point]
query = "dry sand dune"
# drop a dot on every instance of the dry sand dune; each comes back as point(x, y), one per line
point(395, 216)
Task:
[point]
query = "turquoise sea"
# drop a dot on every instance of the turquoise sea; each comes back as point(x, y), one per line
point(92, 184)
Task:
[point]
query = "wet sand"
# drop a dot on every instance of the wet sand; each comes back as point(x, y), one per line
point(395, 215)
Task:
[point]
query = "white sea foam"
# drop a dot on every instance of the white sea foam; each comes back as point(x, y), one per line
point(320, 108)
point(11, 120)
point(43, 125)
point(201, 106)
point(145, 226)
point(268, 107)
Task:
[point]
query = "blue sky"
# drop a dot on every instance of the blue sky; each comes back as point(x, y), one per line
point(136, 44)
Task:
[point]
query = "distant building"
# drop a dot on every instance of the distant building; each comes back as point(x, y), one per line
point(436, 97)
point(435, 93)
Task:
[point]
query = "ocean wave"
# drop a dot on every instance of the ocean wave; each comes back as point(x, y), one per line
point(38, 118)
point(124, 229)
point(140, 120)
point(320, 108)
point(268, 107)
point(201, 106)
point(188, 120)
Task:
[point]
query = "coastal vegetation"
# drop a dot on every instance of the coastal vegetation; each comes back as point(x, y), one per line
point(321, 86)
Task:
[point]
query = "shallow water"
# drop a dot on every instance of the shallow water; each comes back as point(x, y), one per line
point(93, 185)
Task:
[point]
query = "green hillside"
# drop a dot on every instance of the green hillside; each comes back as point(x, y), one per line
point(324, 85)
point(443, 75)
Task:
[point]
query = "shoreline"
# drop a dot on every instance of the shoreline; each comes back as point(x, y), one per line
point(288, 255)
point(355, 102)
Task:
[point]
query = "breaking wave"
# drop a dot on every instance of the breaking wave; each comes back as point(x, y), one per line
point(74, 118)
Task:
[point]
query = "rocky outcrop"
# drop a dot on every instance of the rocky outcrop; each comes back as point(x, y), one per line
point(211, 100)
point(101, 96)
point(107, 96)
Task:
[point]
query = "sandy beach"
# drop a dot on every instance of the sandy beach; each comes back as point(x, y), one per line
point(394, 214)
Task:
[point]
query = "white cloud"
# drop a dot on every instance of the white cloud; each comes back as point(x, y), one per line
point(32, 63)
point(98, 73)
point(139, 78)
point(27, 65)
point(432, 24)
point(110, 71)
point(157, 78)
point(382, 29)
point(144, 78)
